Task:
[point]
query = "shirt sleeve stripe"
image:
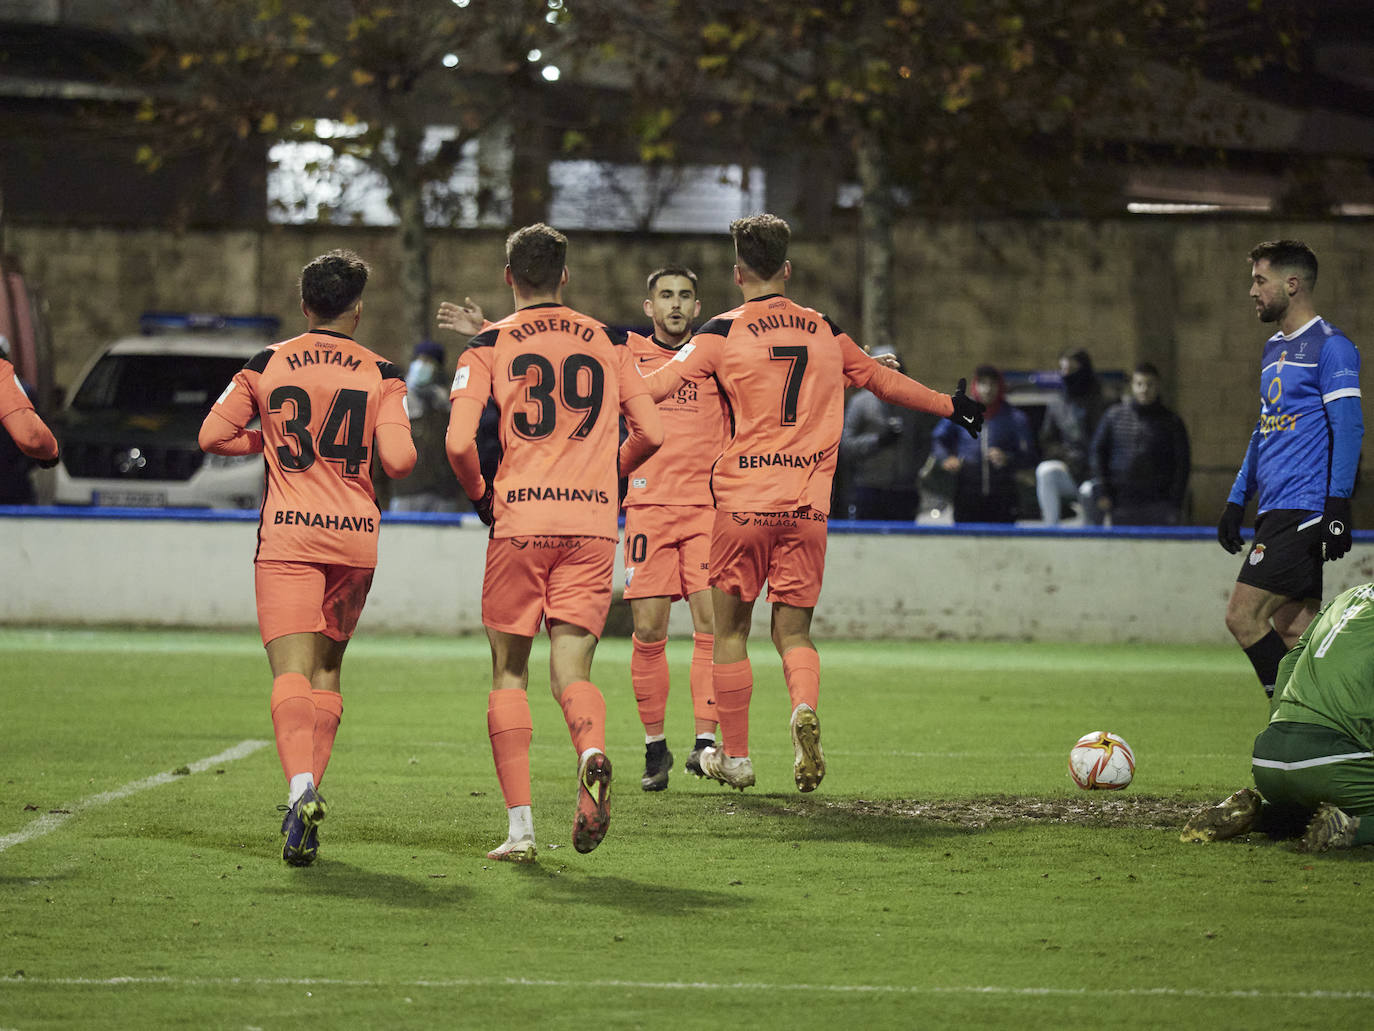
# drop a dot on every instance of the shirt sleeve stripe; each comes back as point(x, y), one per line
point(1343, 392)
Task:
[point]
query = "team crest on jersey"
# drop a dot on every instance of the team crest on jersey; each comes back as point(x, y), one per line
point(1257, 554)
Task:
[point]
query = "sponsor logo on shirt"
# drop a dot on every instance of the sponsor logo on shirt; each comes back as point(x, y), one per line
point(779, 458)
point(332, 521)
point(556, 494)
point(1278, 423)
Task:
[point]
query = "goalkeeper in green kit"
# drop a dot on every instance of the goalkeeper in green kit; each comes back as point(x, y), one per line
point(1314, 763)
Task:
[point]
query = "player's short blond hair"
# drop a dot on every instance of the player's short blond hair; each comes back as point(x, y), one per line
point(536, 255)
point(761, 243)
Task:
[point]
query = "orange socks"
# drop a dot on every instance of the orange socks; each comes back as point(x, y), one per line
point(703, 695)
point(734, 686)
point(328, 713)
point(293, 723)
point(510, 728)
point(801, 668)
point(584, 709)
point(649, 676)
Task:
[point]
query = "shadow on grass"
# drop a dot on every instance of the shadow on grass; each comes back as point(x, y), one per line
point(638, 898)
point(334, 879)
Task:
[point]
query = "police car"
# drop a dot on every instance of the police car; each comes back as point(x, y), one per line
point(128, 431)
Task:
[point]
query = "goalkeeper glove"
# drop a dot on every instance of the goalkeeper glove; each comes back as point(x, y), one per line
point(1335, 528)
point(48, 463)
point(483, 505)
point(1228, 529)
point(967, 413)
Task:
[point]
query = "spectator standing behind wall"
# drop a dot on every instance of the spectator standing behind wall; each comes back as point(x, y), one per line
point(1070, 421)
point(881, 449)
point(431, 487)
point(1140, 457)
point(985, 469)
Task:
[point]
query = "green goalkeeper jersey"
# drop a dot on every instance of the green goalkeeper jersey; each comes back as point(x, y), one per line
point(1328, 677)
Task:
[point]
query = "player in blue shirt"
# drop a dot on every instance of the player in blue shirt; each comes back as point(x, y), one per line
point(1300, 462)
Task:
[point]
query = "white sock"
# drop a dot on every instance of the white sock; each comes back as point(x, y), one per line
point(651, 738)
point(590, 751)
point(706, 735)
point(521, 822)
point(299, 783)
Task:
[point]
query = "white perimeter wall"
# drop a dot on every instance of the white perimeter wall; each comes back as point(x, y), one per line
point(198, 573)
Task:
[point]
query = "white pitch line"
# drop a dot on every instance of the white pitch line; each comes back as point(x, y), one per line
point(1314, 994)
point(49, 822)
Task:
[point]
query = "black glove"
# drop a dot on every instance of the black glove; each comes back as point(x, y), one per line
point(1228, 529)
point(1335, 528)
point(48, 463)
point(967, 413)
point(482, 506)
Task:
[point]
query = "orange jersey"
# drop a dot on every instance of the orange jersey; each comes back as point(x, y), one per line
point(679, 472)
point(321, 397)
point(560, 379)
point(783, 370)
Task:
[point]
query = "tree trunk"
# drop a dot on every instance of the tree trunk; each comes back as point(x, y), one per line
point(875, 242)
point(407, 201)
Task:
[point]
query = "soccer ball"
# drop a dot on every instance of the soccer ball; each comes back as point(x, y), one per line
point(1101, 760)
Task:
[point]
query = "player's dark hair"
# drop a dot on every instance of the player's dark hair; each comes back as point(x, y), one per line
point(761, 243)
point(1147, 369)
point(332, 283)
point(672, 270)
point(536, 255)
point(1290, 255)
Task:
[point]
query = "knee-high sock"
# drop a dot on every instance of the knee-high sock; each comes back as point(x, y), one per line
point(1265, 655)
point(584, 709)
point(734, 687)
point(649, 677)
point(328, 714)
point(703, 693)
point(510, 728)
point(293, 723)
point(801, 668)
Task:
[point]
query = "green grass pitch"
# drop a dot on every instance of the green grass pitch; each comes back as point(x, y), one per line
point(947, 873)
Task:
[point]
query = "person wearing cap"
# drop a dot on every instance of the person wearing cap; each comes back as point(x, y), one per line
point(431, 487)
point(985, 469)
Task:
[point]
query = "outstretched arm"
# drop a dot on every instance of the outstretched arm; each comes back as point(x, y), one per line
point(646, 432)
point(465, 319)
point(31, 434)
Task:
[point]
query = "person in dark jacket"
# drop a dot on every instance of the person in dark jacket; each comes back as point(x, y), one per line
point(1070, 421)
point(1140, 457)
point(985, 469)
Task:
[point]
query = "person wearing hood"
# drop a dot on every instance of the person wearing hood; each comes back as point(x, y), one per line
point(431, 487)
point(881, 449)
point(985, 470)
point(1065, 436)
point(1140, 457)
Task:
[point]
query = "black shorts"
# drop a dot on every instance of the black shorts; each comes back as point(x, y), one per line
point(1286, 555)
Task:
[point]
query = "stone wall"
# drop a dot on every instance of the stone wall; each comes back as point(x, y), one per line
point(1015, 293)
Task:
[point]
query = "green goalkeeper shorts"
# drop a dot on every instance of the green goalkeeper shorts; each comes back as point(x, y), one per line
point(1298, 766)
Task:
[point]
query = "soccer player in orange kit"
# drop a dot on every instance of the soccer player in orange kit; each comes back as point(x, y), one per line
point(325, 402)
point(559, 379)
point(782, 370)
point(669, 513)
point(31, 434)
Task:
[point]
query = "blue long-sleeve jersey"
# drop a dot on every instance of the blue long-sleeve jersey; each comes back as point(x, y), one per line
point(1306, 444)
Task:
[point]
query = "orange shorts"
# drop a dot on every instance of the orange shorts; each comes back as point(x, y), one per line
point(785, 548)
point(309, 597)
point(529, 579)
point(667, 550)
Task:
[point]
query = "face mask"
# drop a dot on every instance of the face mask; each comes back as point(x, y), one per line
point(420, 373)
